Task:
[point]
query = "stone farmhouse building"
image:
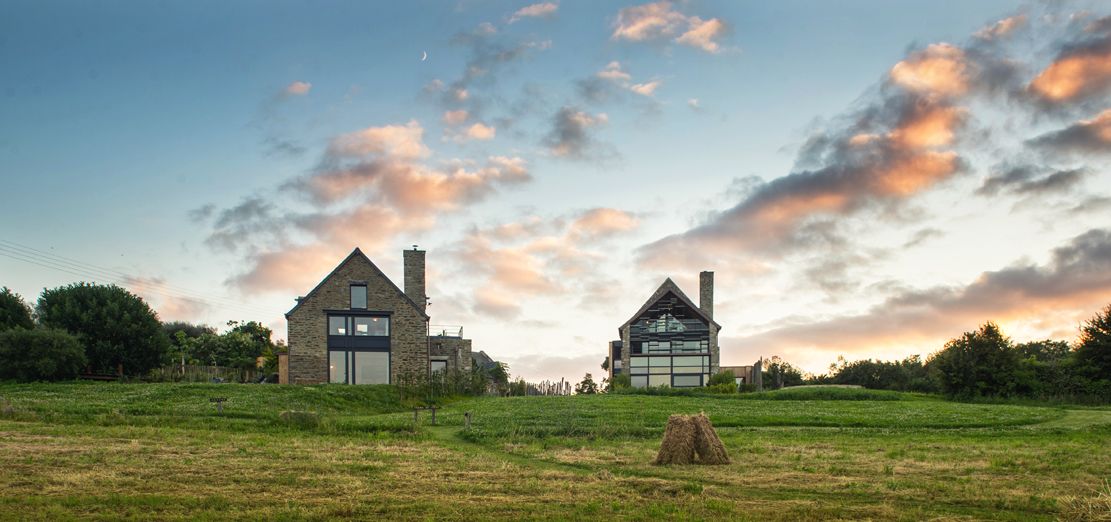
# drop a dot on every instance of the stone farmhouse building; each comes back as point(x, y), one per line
point(358, 327)
point(670, 341)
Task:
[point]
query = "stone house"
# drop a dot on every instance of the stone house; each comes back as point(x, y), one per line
point(358, 327)
point(670, 340)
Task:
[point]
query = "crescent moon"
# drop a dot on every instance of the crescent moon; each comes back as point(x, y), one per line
point(424, 56)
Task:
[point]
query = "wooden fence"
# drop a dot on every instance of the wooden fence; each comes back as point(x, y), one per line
point(192, 373)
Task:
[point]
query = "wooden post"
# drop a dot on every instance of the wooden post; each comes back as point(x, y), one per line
point(433, 408)
point(416, 417)
point(467, 419)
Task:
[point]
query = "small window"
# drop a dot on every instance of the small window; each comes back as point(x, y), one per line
point(437, 367)
point(358, 297)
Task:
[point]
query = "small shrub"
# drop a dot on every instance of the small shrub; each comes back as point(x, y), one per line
point(725, 377)
point(723, 388)
point(40, 355)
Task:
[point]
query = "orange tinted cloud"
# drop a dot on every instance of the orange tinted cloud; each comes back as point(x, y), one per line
point(940, 69)
point(1076, 73)
point(1001, 28)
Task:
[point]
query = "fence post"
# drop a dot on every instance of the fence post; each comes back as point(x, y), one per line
point(433, 408)
point(467, 419)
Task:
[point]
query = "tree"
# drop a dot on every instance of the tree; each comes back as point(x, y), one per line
point(606, 364)
point(982, 363)
point(40, 354)
point(780, 373)
point(1093, 353)
point(14, 313)
point(116, 328)
point(587, 386)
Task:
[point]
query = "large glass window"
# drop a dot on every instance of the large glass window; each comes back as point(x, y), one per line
point(337, 367)
point(359, 325)
point(372, 367)
point(684, 381)
point(358, 297)
point(337, 325)
point(660, 368)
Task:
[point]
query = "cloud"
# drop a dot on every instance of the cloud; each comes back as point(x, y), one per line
point(570, 134)
point(1076, 280)
point(297, 89)
point(478, 132)
point(1084, 136)
point(170, 307)
point(599, 222)
point(939, 69)
point(536, 257)
point(377, 176)
point(544, 9)
point(1001, 28)
point(555, 367)
point(398, 141)
point(600, 87)
point(1027, 179)
point(660, 21)
point(455, 118)
point(894, 149)
point(1080, 70)
point(702, 33)
point(645, 89)
point(694, 104)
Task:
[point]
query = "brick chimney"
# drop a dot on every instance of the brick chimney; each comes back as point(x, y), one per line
point(414, 277)
point(706, 293)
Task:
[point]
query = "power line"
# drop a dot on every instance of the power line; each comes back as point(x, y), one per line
point(80, 269)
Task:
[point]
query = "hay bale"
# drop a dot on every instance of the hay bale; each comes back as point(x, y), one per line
point(678, 444)
point(690, 439)
point(707, 444)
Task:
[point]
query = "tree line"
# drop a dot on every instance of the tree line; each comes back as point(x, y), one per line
point(985, 363)
point(104, 330)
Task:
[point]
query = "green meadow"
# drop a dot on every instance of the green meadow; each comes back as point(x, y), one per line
point(162, 451)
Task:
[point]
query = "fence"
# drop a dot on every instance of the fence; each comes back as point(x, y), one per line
point(193, 373)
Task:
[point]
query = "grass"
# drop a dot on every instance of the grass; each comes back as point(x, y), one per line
point(161, 451)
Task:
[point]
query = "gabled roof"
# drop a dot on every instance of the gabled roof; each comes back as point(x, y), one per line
point(347, 259)
point(669, 286)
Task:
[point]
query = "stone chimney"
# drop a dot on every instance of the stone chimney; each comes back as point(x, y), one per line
point(706, 293)
point(414, 277)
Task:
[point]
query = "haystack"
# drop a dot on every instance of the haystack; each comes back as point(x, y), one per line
point(690, 439)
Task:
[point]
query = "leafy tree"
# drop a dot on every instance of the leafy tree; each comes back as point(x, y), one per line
point(40, 354)
point(982, 363)
point(906, 375)
point(189, 330)
point(606, 364)
point(587, 386)
point(780, 373)
point(14, 313)
point(1093, 353)
point(116, 328)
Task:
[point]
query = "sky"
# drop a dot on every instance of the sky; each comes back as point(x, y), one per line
point(866, 179)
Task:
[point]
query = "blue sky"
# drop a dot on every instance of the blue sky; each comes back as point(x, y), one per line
point(220, 158)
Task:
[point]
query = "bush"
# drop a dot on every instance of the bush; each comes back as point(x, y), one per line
point(620, 381)
point(40, 355)
point(725, 377)
point(115, 327)
point(983, 363)
point(724, 388)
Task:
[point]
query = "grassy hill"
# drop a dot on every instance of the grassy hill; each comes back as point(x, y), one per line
point(112, 451)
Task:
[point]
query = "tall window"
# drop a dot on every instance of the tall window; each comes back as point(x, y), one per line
point(353, 367)
point(358, 297)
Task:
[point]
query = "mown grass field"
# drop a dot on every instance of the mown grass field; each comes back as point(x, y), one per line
point(161, 451)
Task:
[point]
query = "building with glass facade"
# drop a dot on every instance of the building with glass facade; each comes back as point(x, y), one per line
point(670, 341)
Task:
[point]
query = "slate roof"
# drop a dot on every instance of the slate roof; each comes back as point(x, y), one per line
point(668, 286)
point(381, 274)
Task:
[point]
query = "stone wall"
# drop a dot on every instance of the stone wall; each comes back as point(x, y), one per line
point(308, 328)
point(456, 350)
